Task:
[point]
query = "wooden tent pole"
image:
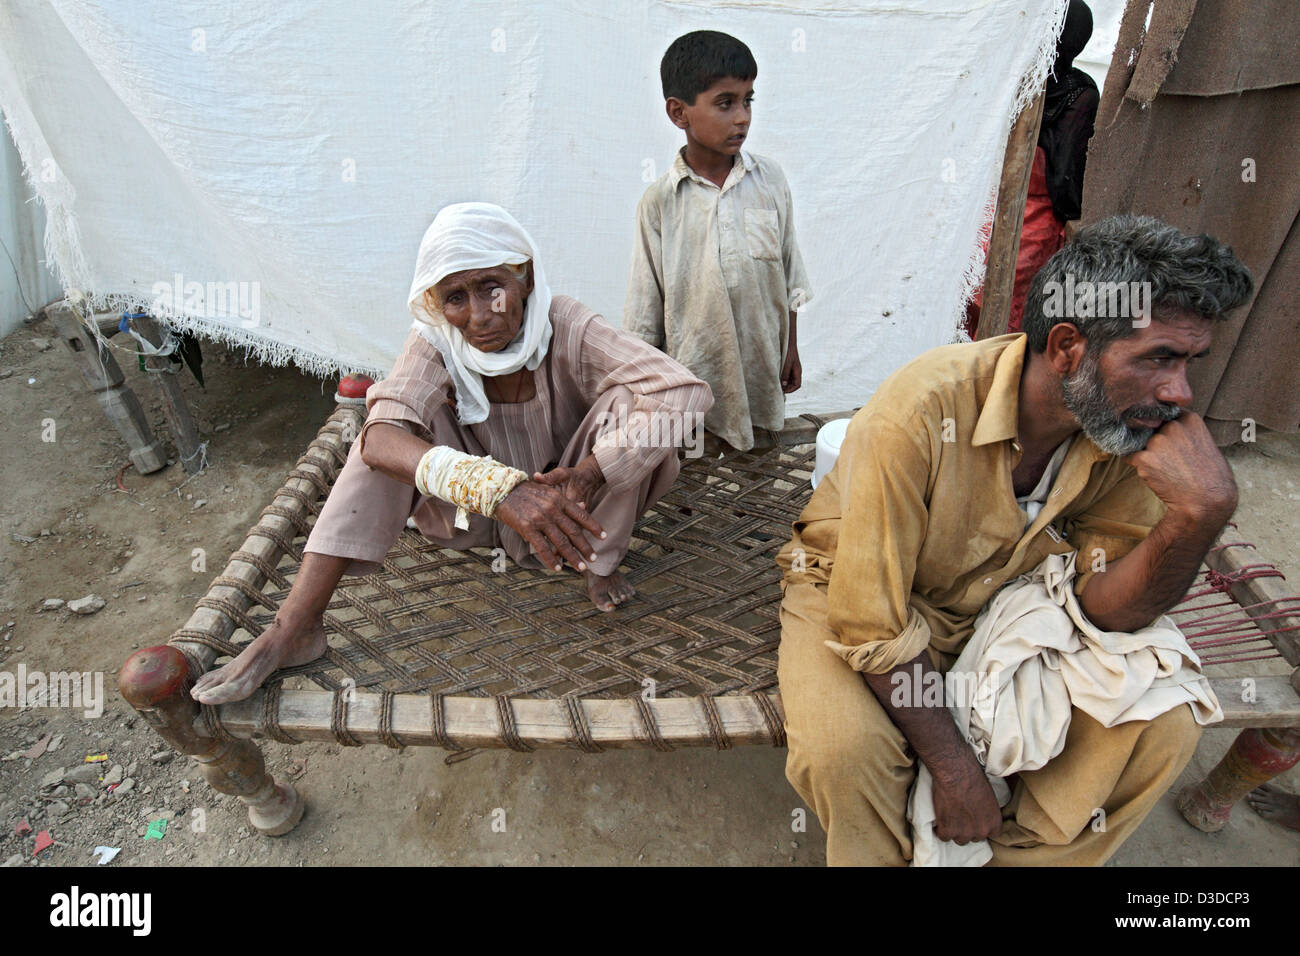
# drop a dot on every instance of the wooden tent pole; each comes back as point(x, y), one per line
point(1004, 244)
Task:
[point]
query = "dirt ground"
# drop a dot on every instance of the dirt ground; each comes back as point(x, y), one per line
point(68, 533)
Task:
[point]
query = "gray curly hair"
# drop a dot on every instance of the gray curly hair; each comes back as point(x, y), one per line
point(1194, 273)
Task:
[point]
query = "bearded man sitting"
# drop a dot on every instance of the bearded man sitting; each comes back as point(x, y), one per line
point(967, 469)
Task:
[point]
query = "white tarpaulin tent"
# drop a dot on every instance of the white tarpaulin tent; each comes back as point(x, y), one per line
point(262, 172)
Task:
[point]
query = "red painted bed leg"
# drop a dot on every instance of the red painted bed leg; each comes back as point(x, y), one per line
point(1256, 756)
point(156, 682)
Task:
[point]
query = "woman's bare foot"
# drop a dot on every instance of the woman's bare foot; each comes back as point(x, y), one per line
point(1274, 803)
point(280, 645)
point(609, 591)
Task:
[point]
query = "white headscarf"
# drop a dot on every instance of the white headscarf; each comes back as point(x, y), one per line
point(478, 235)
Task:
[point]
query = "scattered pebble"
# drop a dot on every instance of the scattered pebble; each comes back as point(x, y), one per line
point(163, 756)
point(53, 778)
point(87, 605)
point(52, 604)
point(114, 776)
point(87, 773)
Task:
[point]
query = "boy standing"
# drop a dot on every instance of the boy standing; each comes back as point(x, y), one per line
point(716, 274)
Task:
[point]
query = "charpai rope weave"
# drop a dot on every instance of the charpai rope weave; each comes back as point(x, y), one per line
point(703, 625)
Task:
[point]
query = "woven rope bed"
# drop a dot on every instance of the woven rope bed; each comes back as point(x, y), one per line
point(466, 650)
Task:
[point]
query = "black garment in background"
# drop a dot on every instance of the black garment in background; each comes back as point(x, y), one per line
point(1068, 116)
point(1069, 108)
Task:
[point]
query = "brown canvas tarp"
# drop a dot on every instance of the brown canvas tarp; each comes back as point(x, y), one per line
point(1199, 125)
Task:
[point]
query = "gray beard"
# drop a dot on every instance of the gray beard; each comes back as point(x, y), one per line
point(1084, 394)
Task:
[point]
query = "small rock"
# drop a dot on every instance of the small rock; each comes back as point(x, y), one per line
point(87, 605)
point(54, 744)
point(87, 773)
point(6, 372)
point(85, 793)
point(163, 756)
point(53, 778)
point(222, 427)
point(46, 532)
point(52, 604)
point(41, 345)
point(127, 786)
point(17, 858)
point(114, 569)
point(114, 776)
point(201, 502)
point(59, 808)
point(61, 791)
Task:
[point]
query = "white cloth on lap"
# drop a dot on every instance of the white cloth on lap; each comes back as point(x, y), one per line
point(1034, 655)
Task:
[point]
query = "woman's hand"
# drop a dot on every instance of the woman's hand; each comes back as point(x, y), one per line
point(578, 483)
point(550, 522)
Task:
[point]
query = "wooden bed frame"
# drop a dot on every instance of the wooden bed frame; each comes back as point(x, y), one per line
point(545, 671)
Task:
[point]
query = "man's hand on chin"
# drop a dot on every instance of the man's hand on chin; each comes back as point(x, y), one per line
point(1185, 469)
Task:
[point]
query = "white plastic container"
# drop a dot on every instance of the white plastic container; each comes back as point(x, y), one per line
point(829, 438)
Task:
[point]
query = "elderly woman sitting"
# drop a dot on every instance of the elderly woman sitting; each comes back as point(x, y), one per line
point(511, 419)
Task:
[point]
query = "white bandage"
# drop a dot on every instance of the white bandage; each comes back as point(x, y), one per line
point(466, 481)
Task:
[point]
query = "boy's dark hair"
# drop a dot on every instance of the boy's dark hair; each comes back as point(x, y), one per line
point(1196, 273)
point(697, 60)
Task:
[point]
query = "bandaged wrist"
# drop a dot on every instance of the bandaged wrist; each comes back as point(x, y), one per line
point(470, 483)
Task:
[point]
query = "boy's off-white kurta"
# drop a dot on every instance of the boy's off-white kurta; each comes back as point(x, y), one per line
point(715, 274)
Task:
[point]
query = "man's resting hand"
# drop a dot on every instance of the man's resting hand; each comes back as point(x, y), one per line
point(965, 809)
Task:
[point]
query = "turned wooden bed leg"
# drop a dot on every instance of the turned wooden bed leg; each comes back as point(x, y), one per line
point(156, 682)
point(1256, 756)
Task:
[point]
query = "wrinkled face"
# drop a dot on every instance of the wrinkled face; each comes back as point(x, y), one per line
point(720, 118)
point(485, 305)
point(1137, 383)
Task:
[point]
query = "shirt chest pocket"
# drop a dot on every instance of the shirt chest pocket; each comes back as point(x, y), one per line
point(761, 231)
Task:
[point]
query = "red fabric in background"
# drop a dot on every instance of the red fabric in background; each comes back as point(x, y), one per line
point(1040, 236)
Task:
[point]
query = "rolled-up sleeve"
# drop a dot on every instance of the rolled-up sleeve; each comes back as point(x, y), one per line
point(798, 288)
point(882, 474)
point(1113, 526)
point(643, 306)
point(410, 396)
point(663, 389)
